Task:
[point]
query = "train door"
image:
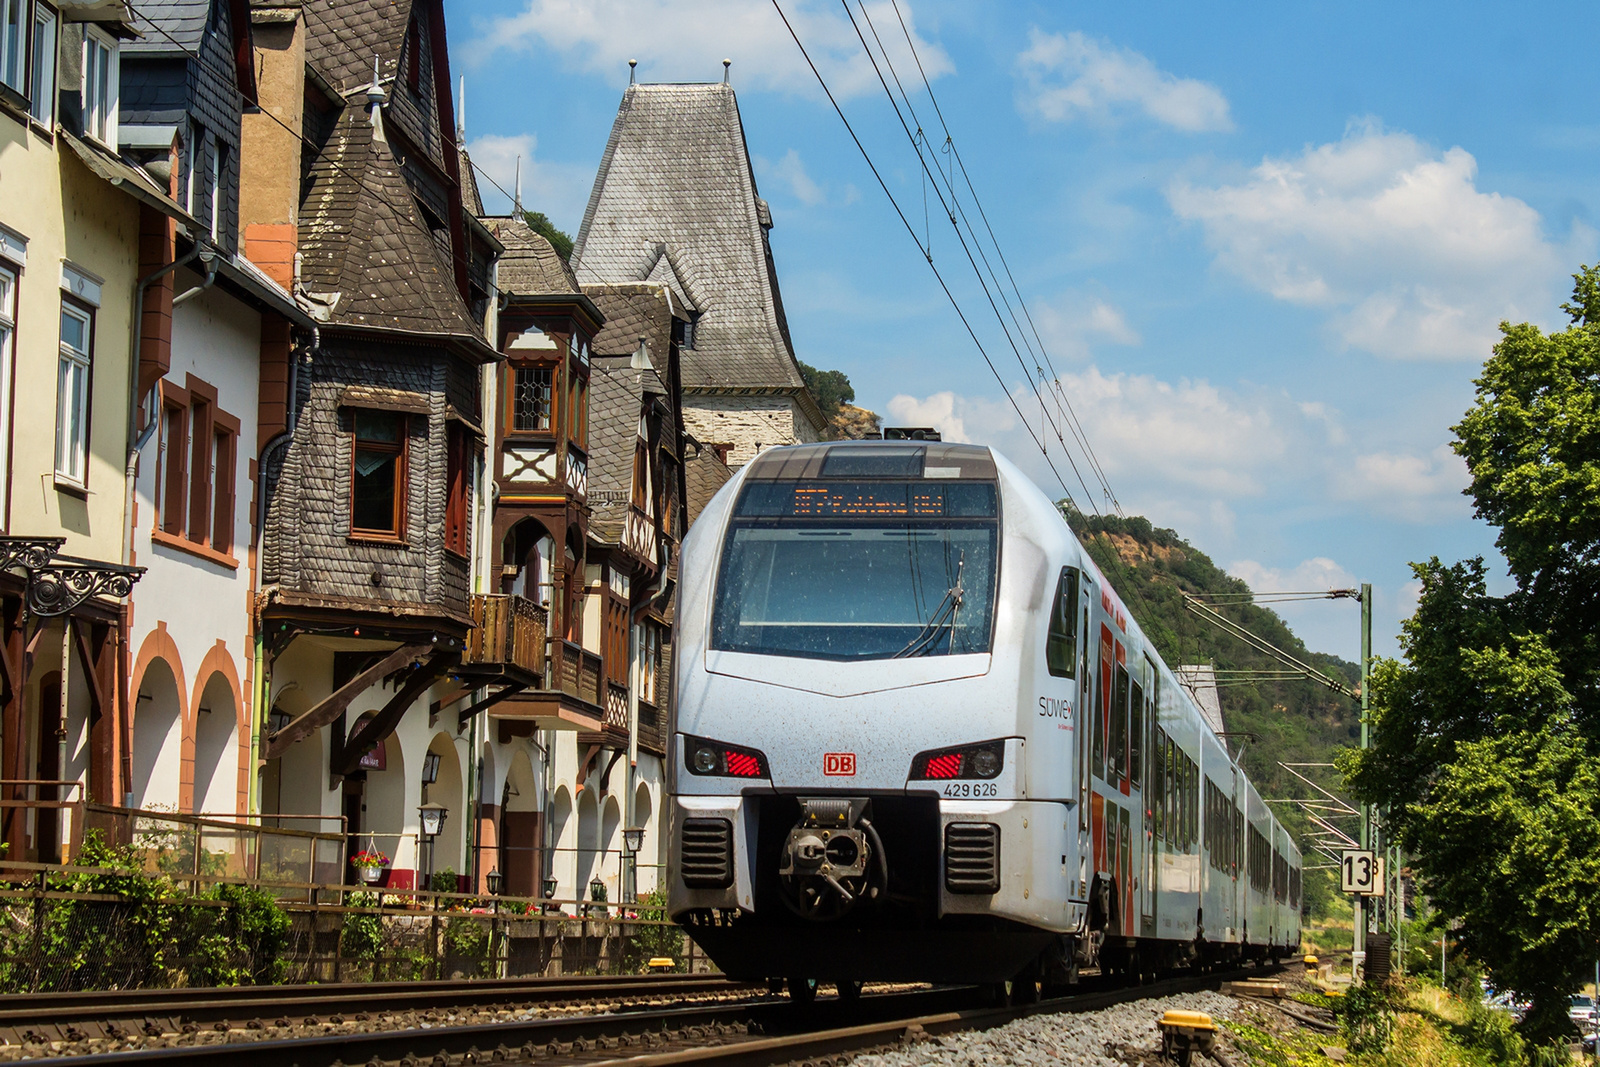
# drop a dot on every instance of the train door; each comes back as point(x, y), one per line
point(1125, 868)
point(1147, 917)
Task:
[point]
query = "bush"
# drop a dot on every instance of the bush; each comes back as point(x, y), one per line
point(466, 944)
point(1366, 1018)
point(143, 931)
point(652, 941)
point(443, 881)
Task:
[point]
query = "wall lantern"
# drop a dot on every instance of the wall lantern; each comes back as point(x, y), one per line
point(433, 817)
point(550, 886)
point(495, 881)
point(430, 768)
point(633, 838)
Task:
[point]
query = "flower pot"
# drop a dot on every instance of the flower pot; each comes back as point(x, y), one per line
point(371, 875)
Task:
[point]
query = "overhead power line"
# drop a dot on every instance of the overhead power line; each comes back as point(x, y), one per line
point(1261, 644)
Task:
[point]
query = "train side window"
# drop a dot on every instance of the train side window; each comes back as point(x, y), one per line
point(1119, 724)
point(1158, 770)
point(1136, 737)
point(1060, 646)
point(1097, 711)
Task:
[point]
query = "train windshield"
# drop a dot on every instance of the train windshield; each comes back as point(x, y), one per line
point(858, 571)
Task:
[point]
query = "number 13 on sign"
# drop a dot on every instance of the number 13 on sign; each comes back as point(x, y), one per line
point(1361, 873)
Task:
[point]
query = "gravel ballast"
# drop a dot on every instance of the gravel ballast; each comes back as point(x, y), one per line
point(1114, 1037)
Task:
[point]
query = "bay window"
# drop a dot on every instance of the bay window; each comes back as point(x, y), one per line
point(378, 474)
point(528, 400)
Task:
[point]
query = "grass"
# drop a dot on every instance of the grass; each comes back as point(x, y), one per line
point(1431, 1028)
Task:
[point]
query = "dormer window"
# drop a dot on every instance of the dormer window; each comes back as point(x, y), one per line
point(413, 60)
point(100, 78)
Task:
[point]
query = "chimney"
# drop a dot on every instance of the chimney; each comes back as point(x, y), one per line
point(269, 156)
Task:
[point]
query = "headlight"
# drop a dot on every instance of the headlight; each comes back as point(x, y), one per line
point(982, 760)
point(723, 760)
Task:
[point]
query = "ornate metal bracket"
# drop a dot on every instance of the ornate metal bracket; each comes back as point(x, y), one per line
point(29, 553)
point(70, 581)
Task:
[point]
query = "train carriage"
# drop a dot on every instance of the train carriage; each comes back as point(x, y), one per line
point(919, 736)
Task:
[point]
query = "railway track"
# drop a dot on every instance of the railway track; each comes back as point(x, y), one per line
point(755, 1032)
point(37, 1019)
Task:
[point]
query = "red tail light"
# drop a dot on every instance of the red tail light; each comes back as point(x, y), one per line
point(743, 765)
point(719, 760)
point(983, 760)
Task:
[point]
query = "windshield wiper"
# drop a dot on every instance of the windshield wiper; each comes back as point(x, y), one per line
point(944, 615)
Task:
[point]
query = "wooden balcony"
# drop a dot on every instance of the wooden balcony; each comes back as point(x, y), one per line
point(571, 701)
point(652, 728)
point(507, 631)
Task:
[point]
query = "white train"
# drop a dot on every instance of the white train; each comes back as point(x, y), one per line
point(918, 736)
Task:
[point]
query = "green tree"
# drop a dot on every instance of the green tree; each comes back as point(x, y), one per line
point(830, 388)
point(1481, 757)
point(540, 224)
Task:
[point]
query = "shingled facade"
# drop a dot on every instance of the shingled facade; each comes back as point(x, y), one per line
point(365, 603)
point(675, 205)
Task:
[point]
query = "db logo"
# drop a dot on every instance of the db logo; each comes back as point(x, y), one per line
point(839, 763)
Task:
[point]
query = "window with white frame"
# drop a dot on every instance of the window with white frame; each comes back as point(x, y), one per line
point(216, 148)
point(42, 78)
point(72, 394)
point(8, 327)
point(14, 44)
point(100, 77)
point(649, 639)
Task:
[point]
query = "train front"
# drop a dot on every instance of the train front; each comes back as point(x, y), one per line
point(846, 754)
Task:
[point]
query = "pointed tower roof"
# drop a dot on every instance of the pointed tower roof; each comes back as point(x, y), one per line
point(675, 203)
point(369, 259)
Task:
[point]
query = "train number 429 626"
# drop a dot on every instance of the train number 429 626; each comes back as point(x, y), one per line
point(971, 789)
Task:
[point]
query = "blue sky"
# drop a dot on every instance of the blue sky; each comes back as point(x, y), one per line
point(1265, 249)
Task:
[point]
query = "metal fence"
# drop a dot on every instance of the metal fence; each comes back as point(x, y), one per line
point(86, 927)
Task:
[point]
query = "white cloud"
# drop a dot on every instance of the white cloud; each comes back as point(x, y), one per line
point(1185, 452)
point(557, 189)
point(790, 172)
point(1417, 488)
point(1392, 239)
point(1073, 76)
point(687, 40)
point(1070, 324)
point(1315, 575)
point(938, 411)
point(1325, 626)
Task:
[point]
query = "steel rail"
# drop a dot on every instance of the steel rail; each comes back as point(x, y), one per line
point(98, 1012)
point(829, 1025)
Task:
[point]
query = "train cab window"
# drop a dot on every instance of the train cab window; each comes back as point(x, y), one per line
point(1060, 646)
point(859, 570)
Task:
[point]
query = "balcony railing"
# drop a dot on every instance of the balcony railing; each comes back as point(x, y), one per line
point(652, 728)
point(507, 630)
point(578, 672)
point(616, 707)
point(639, 535)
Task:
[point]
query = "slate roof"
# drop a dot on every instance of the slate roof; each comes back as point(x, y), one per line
point(632, 311)
point(471, 202)
point(529, 266)
point(616, 400)
point(367, 250)
point(344, 35)
point(182, 23)
point(675, 203)
point(703, 475)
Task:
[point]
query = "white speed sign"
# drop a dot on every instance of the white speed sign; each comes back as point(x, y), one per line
point(1361, 873)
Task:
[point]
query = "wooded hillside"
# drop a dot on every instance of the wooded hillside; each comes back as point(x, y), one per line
point(1294, 721)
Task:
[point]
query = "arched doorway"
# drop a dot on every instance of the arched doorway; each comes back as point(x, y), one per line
point(644, 865)
point(384, 810)
point(588, 842)
point(520, 832)
point(610, 858)
point(563, 842)
point(157, 738)
point(216, 749)
point(294, 783)
point(446, 849)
